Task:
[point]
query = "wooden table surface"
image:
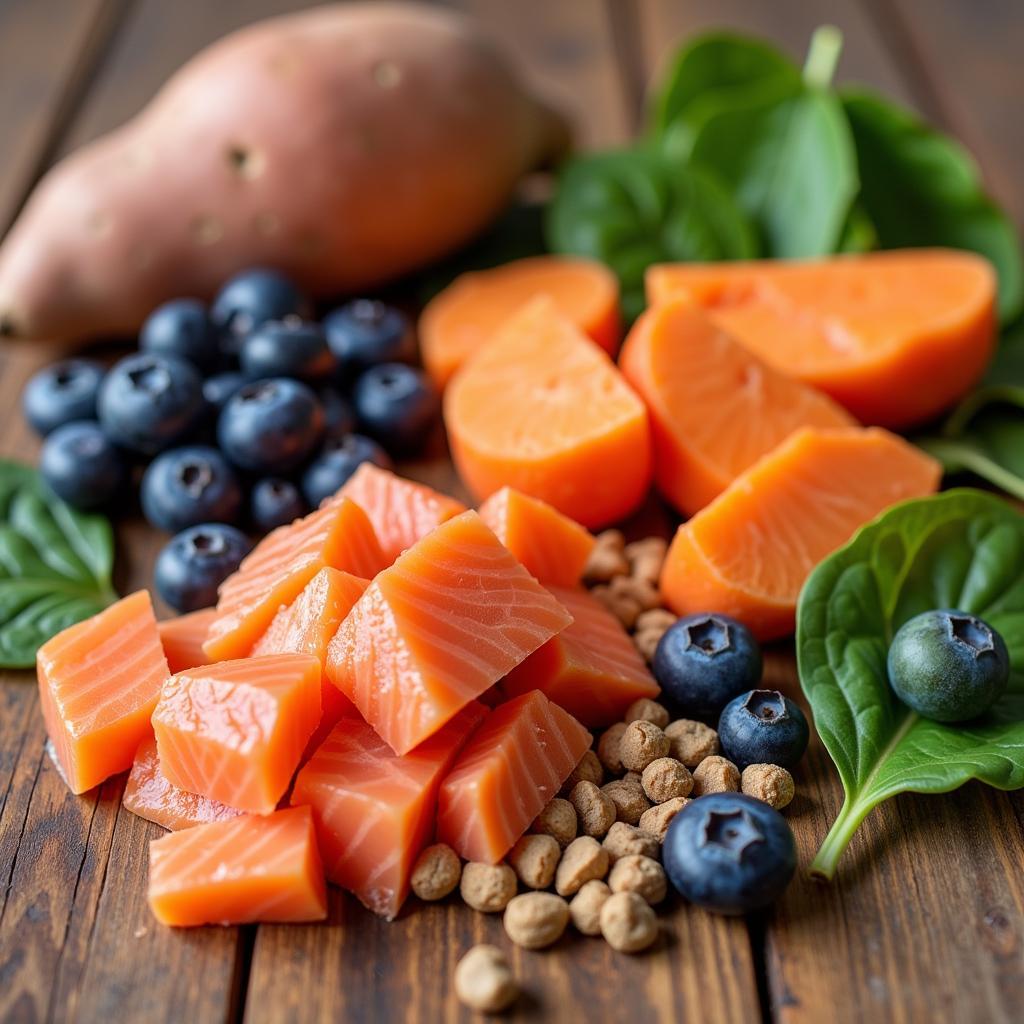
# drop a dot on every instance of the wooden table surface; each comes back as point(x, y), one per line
point(925, 921)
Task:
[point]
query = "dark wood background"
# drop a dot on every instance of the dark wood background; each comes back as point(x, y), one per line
point(926, 919)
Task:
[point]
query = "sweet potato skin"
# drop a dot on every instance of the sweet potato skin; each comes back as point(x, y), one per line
point(345, 145)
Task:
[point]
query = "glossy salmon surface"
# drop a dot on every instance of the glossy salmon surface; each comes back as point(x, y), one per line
point(183, 637)
point(454, 614)
point(235, 731)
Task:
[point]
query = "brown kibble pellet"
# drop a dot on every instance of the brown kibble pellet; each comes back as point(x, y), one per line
point(621, 602)
point(639, 874)
point(646, 557)
point(484, 980)
point(623, 840)
point(585, 906)
point(558, 819)
point(607, 559)
point(584, 858)
point(660, 619)
point(634, 779)
point(608, 748)
point(658, 818)
point(643, 709)
point(628, 923)
point(642, 743)
point(768, 782)
point(691, 742)
point(595, 810)
point(715, 775)
point(646, 642)
point(534, 859)
point(666, 778)
point(535, 920)
point(487, 887)
point(628, 798)
point(588, 770)
point(436, 873)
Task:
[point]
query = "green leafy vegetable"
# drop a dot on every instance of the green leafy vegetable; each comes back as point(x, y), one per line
point(963, 549)
point(920, 188)
point(714, 73)
point(791, 166)
point(55, 565)
point(635, 207)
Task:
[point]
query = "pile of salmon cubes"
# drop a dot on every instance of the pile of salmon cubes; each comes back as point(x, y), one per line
point(389, 672)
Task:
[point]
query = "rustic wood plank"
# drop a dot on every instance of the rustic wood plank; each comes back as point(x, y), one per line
point(967, 57)
point(47, 50)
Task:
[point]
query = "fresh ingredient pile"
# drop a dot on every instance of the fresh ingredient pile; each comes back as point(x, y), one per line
point(249, 411)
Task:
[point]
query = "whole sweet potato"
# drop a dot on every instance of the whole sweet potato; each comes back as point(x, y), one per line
point(344, 145)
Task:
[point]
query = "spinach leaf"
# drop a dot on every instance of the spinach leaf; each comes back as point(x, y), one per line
point(961, 549)
point(634, 207)
point(55, 565)
point(921, 188)
point(791, 166)
point(713, 73)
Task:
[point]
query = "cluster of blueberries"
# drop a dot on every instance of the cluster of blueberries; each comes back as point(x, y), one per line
point(245, 414)
point(728, 851)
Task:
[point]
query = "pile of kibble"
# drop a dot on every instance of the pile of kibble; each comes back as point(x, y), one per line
point(593, 857)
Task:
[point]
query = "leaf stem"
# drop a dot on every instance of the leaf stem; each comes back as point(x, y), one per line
point(838, 838)
point(823, 56)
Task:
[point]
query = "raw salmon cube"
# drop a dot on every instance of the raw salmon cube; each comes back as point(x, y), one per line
point(338, 536)
point(374, 810)
point(99, 681)
point(453, 615)
point(149, 794)
point(592, 668)
point(401, 511)
point(235, 731)
point(552, 546)
point(183, 639)
point(514, 764)
point(306, 627)
point(251, 868)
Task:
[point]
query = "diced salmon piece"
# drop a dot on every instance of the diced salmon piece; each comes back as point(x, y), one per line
point(453, 615)
point(514, 764)
point(401, 511)
point(251, 868)
point(99, 681)
point(235, 731)
point(183, 639)
point(338, 536)
point(306, 627)
point(552, 546)
point(374, 810)
point(149, 794)
point(592, 668)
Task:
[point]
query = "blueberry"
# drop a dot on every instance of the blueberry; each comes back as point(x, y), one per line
point(221, 386)
point(397, 406)
point(729, 853)
point(286, 348)
point(195, 562)
point(338, 459)
point(703, 661)
point(948, 666)
point(253, 297)
point(365, 333)
point(338, 416)
point(61, 393)
point(181, 328)
point(81, 465)
point(763, 727)
point(187, 486)
point(149, 402)
point(270, 426)
point(274, 503)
